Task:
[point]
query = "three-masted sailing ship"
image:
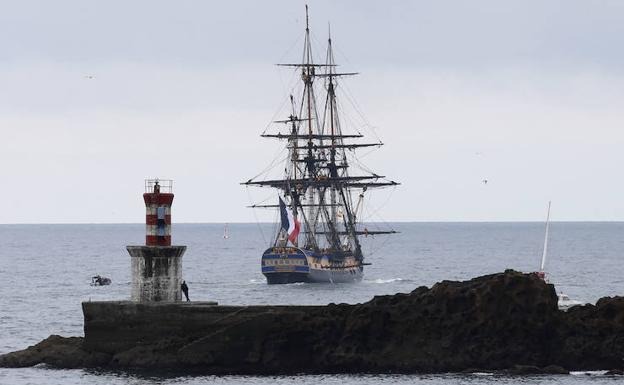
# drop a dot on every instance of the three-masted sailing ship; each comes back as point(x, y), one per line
point(318, 240)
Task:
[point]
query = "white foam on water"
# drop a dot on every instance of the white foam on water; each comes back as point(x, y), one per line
point(379, 280)
point(589, 373)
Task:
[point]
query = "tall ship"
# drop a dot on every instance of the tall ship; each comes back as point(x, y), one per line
point(320, 201)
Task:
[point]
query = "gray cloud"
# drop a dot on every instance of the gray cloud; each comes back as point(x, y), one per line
point(183, 89)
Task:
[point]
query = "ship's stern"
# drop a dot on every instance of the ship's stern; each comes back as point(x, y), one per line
point(285, 265)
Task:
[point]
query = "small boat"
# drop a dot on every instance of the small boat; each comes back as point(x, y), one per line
point(563, 301)
point(100, 281)
point(226, 234)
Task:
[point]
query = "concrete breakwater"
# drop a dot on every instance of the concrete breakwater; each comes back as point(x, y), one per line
point(502, 321)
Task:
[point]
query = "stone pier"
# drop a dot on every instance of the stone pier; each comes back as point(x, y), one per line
point(156, 273)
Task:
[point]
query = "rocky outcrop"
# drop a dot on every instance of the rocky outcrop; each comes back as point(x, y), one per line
point(593, 335)
point(61, 352)
point(501, 322)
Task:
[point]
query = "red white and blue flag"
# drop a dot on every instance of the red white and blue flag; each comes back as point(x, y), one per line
point(290, 224)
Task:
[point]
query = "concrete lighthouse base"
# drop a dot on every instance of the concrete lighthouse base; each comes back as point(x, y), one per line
point(156, 273)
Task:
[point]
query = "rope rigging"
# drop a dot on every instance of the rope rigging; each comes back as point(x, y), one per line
point(318, 182)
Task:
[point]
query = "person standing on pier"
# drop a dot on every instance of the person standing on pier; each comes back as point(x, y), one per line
point(184, 288)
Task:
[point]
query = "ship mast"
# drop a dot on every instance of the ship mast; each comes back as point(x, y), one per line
point(318, 184)
point(334, 128)
point(331, 97)
point(308, 78)
point(337, 152)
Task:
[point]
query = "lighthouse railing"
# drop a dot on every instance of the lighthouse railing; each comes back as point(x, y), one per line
point(164, 186)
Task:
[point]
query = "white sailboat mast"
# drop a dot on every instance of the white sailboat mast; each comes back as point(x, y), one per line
point(545, 240)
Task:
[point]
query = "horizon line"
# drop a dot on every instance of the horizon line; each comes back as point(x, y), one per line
point(263, 223)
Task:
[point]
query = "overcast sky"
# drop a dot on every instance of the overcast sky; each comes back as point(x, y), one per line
point(526, 94)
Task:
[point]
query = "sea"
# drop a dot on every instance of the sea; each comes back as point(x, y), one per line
point(46, 272)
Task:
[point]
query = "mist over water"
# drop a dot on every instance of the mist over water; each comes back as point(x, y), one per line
point(47, 270)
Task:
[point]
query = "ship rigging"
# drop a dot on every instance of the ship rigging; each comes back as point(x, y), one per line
point(317, 188)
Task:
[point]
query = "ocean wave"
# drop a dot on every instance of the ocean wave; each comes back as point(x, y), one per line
point(379, 280)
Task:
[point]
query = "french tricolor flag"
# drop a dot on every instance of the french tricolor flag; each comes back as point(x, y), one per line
point(289, 223)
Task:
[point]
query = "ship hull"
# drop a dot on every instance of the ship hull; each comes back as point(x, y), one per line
point(284, 278)
point(282, 265)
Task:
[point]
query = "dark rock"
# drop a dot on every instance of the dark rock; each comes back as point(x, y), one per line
point(492, 322)
point(592, 337)
point(474, 370)
point(523, 370)
point(533, 370)
point(614, 372)
point(61, 352)
point(555, 369)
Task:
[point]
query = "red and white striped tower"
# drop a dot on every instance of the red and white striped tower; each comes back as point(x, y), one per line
point(158, 198)
point(157, 266)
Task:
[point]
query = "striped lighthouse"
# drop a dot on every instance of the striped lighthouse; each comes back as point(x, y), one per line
point(158, 199)
point(157, 266)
